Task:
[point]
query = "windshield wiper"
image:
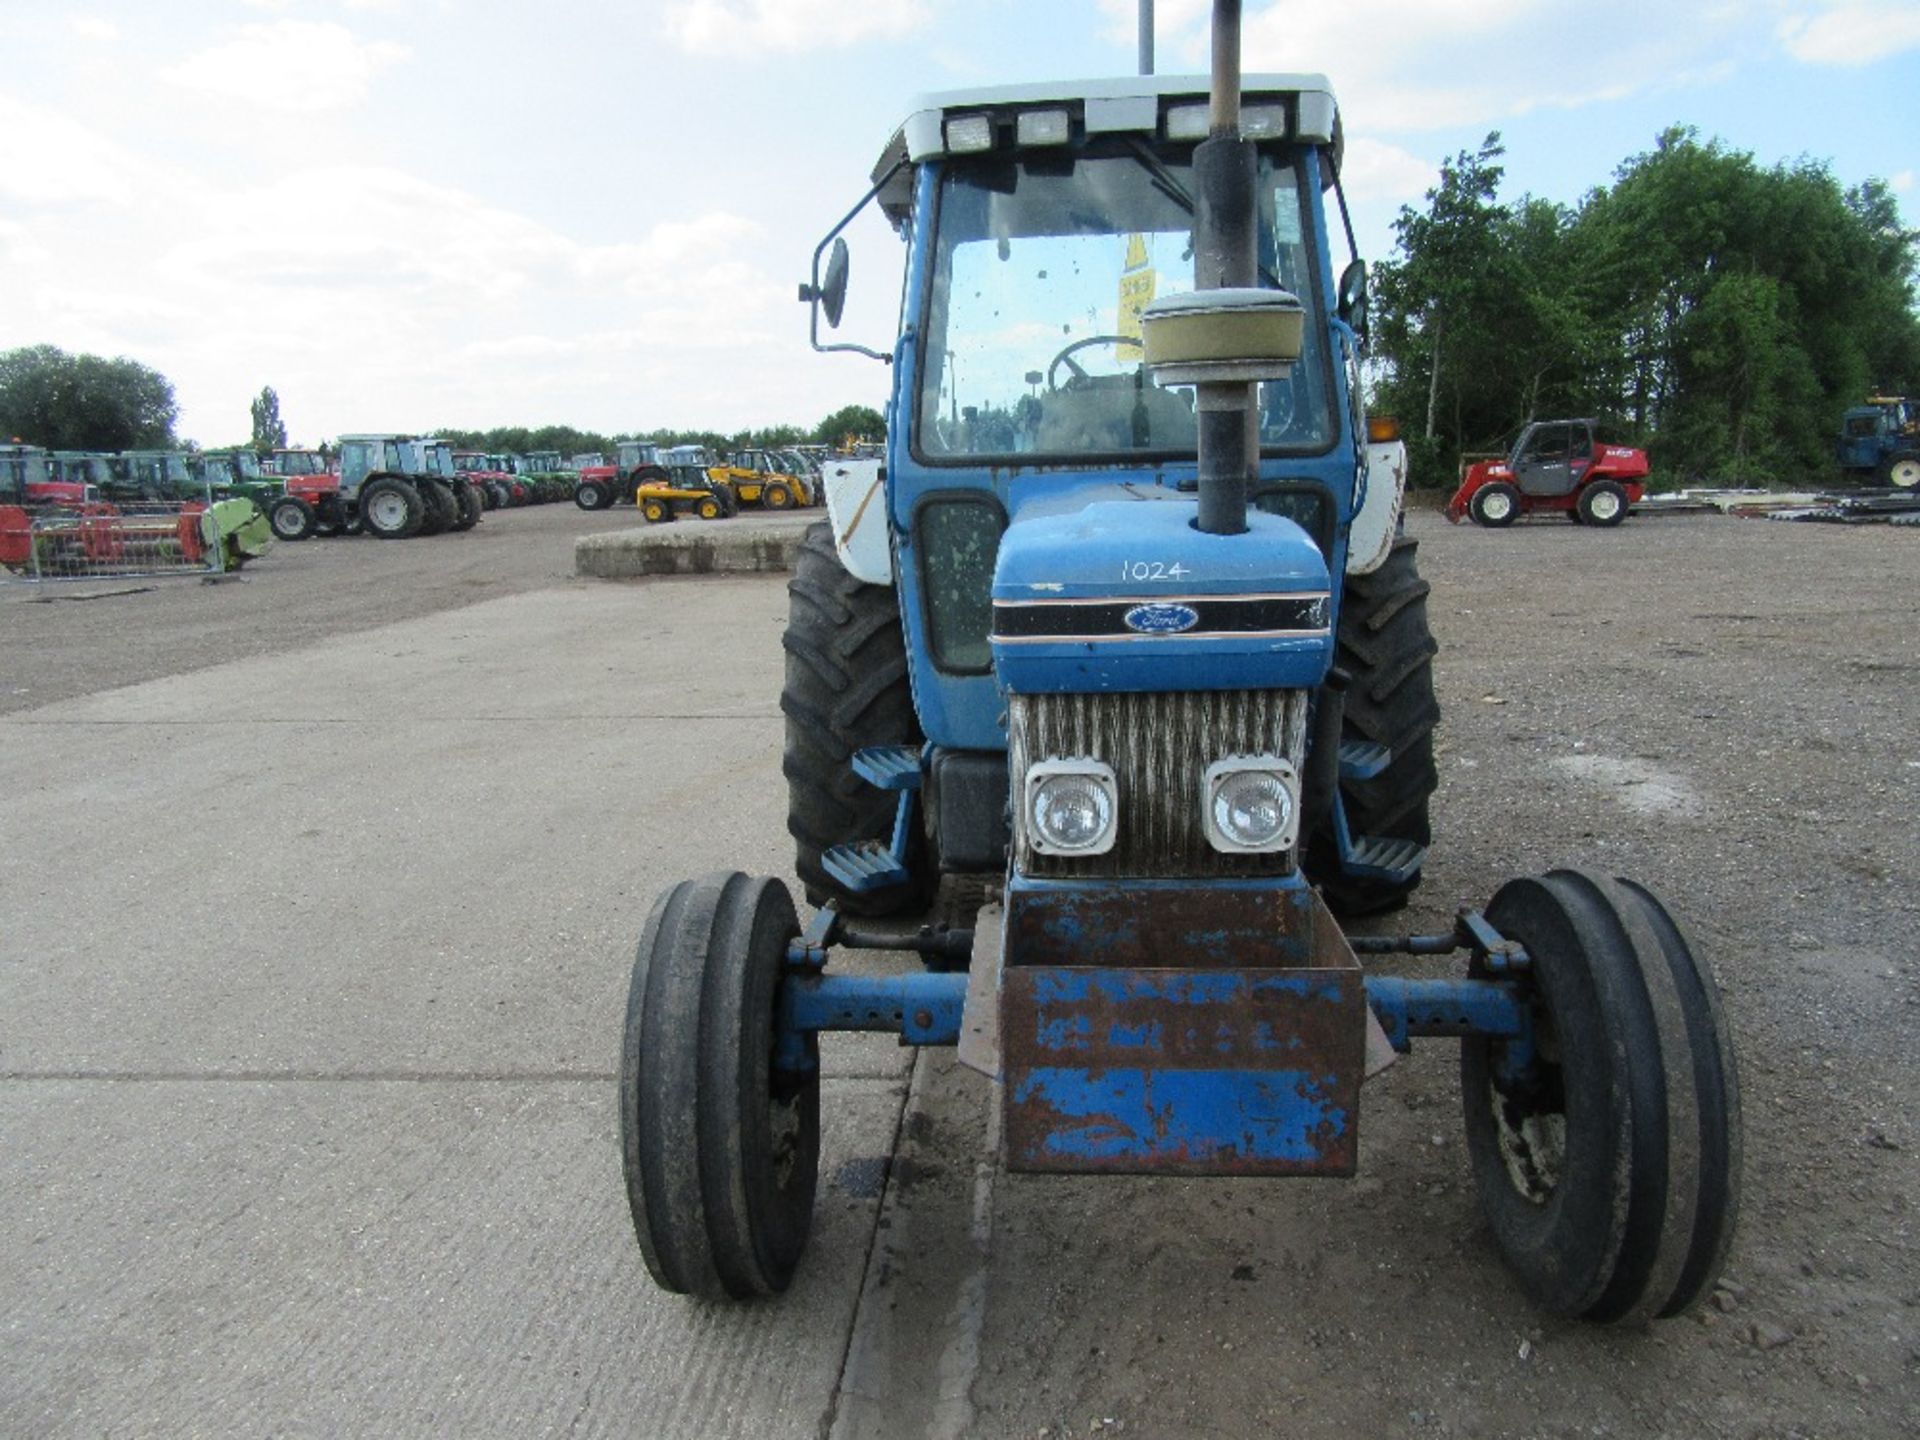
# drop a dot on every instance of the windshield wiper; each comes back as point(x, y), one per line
point(1168, 184)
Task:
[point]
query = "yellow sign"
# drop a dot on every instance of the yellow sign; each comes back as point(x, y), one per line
point(1137, 284)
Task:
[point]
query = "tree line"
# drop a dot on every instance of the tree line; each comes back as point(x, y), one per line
point(88, 402)
point(1720, 313)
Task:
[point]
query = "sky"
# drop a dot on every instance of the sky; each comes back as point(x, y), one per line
point(423, 214)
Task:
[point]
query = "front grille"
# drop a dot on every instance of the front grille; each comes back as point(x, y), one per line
point(1159, 746)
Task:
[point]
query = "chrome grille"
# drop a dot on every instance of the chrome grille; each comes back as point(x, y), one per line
point(1159, 746)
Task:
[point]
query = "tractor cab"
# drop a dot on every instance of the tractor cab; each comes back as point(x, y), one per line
point(289, 464)
point(1552, 457)
point(156, 475)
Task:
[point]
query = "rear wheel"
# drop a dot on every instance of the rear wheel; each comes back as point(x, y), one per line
point(440, 511)
point(708, 509)
point(1386, 647)
point(846, 688)
point(655, 511)
point(777, 497)
point(467, 501)
point(291, 518)
point(1609, 1169)
point(1602, 503)
point(1903, 472)
point(1495, 506)
point(720, 1149)
point(391, 509)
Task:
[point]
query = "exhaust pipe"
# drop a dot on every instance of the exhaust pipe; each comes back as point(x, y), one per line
point(1225, 258)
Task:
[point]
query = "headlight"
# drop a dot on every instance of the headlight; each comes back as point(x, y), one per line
point(1252, 805)
point(1072, 807)
point(967, 134)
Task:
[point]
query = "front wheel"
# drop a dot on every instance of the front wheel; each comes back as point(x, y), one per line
point(708, 509)
point(719, 1145)
point(1608, 1168)
point(292, 518)
point(777, 497)
point(655, 511)
point(1495, 506)
point(591, 496)
point(1603, 503)
point(1903, 472)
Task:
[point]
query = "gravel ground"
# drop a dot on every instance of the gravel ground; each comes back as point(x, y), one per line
point(1728, 710)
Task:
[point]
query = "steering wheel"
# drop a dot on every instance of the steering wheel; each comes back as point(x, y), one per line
point(1065, 357)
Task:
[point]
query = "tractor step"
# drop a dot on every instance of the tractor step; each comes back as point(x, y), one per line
point(1363, 759)
point(889, 767)
point(1379, 857)
point(865, 865)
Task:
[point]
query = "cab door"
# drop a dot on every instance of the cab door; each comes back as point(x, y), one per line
point(1544, 467)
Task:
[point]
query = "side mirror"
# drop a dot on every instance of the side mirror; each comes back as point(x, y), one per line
point(833, 292)
point(1353, 298)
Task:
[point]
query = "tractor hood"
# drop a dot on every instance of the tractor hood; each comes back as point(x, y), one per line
point(1131, 596)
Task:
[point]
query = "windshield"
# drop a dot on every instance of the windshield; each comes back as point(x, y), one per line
point(1041, 269)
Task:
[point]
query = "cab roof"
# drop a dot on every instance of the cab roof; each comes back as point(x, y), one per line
point(1134, 104)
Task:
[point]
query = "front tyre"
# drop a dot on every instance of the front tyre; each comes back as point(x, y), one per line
point(1608, 1169)
point(720, 1148)
point(1495, 506)
point(292, 518)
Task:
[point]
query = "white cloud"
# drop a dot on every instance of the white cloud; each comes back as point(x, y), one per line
point(297, 65)
point(92, 27)
point(1903, 182)
point(55, 160)
point(1852, 32)
point(747, 27)
point(1375, 170)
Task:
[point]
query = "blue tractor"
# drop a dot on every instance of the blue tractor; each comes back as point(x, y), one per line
point(1880, 440)
point(1123, 654)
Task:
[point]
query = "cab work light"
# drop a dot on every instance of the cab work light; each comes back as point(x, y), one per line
point(1041, 127)
point(968, 134)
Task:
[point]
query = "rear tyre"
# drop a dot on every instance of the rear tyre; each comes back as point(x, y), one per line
point(846, 688)
point(391, 509)
point(1386, 647)
point(1603, 504)
point(777, 497)
point(1495, 506)
point(655, 511)
point(439, 509)
point(708, 509)
point(467, 501)
point(1902, 472)
point(720, 1149)
point(1609, 1172)
point(291, 518)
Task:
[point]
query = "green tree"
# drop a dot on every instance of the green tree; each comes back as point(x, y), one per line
point(861, 421)
point(84, 402)
point(269, 431)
